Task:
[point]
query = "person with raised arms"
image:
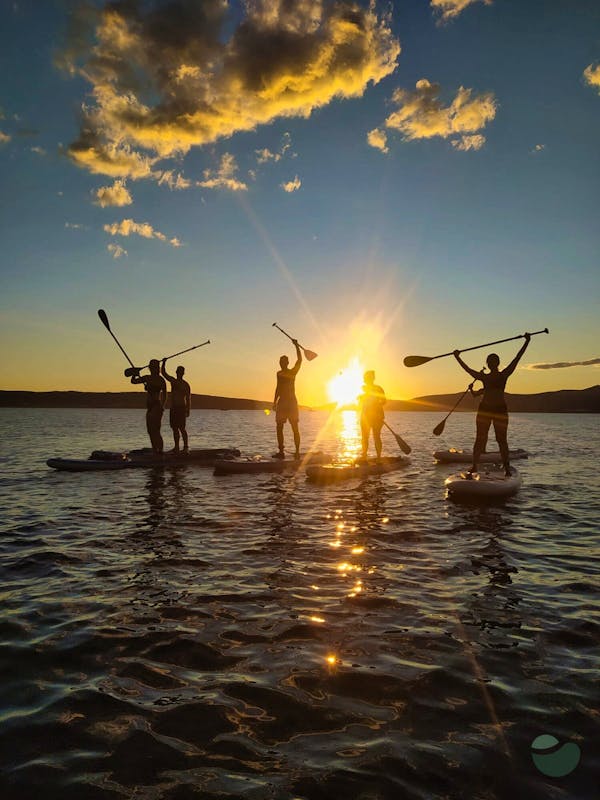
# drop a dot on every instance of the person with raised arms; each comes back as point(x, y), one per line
point(180, 405)
point(371, 403)
point(156, 388)
point(285, 403)
point(492, 409)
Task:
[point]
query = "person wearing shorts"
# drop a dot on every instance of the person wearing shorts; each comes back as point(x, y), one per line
point(180, 406)
point(492, 409)
point(372, 417)
point(156, 389)
point(285, 403)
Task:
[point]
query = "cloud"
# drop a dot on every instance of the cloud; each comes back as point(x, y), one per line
point(127, 227)
point(378, 139)
point(4, 138)
point(264, 155)
point(448, 9)
point(165, 78)
point(116, 250)
point(563, 364)
point(76, 226)
point(38, 150)
point(174, 182)
point(474, 142)
point(115, 195)
point(538, 148)
point(421, 115)
point(292, 186)
point(224, 176)
point(591, 76)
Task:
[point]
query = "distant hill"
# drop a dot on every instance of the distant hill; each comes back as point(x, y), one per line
point(566, 401)
point(117, 400)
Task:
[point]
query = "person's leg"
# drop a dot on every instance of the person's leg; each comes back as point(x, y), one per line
point(501, 431)
point(173, 424)
point(364, 432)
point(153, 420)
point(482, 426)
point(296, 432)
point(184, 436)
point(377, 438)
point(280, 437)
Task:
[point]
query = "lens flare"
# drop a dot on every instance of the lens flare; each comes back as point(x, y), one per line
point(345, 387)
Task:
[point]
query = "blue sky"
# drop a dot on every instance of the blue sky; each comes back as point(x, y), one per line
point(471, 216)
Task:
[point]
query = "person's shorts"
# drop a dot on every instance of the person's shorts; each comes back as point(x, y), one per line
point(287, 414)
point(154, 418)
point(177, 418)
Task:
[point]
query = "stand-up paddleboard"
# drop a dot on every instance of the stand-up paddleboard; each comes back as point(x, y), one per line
point(454, 456)
point(258, 464)
point(489, 485)
point(103, 460)
point(331, 473)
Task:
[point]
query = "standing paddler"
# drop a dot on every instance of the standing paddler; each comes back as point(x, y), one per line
point(156, 389)
point(492, 409)
point(371, 402)
point(180, 405)
point(285, 403)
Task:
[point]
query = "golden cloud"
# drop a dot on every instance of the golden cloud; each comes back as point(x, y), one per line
point(378, 139)
point(292, 186)
point(127, 227)
point(448, 9)
point(591, 75)
point(421, 115)
point(224, 176)
point(115, 195)
point(164, 79)
point(116, 250)
point(4, 137)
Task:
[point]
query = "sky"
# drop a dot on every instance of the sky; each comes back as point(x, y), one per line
point(380, 179)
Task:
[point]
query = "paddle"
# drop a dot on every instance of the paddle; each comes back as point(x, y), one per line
point(309, 355)
point(104, 321)
point(416, 361)
point(134, 370)
point(439, 429)
point(406, 448)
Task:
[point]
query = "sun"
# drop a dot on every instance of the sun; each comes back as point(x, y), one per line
point(345, 387)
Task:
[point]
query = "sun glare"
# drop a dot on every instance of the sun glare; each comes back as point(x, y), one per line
point(345, 388)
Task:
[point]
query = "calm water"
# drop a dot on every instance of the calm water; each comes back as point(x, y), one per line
point(170, 634)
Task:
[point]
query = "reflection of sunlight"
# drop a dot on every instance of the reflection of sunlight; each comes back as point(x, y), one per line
point(349, 435)
point(345, 388)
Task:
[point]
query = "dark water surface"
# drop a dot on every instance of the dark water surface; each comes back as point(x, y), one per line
point(171, 634)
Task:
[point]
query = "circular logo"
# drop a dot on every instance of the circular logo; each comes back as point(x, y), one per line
point(553, 758)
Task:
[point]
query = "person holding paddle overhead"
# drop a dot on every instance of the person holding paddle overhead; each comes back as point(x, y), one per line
point(371, 402)
point(285, 403)
point(180, 405)
point(156, 388)
point(492, 409)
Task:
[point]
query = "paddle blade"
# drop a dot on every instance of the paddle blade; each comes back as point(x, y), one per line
point(404, 446)
point(103, 318)
point(416, 361)
point(130, 371)
point(309, 355)
point(439, 429)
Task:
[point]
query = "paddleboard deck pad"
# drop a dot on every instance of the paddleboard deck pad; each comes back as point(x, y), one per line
point(104, 460)
point(259, 464)
point(331, 473)
point(489, 485)
point(453, 456)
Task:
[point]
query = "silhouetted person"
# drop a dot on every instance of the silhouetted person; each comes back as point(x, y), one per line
point(180, 405)
point(492, 409)
point(156, 388)
point(371, 401)
point(285, 403)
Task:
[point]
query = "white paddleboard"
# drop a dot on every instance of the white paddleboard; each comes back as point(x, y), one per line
point(488, 485)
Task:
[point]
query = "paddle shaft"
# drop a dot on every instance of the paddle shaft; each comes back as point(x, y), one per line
point(104, 321)
point(308, 353)
point(467, 349)
point(187, 350)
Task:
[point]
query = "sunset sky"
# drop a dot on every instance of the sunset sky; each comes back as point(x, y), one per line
point(380, 179)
